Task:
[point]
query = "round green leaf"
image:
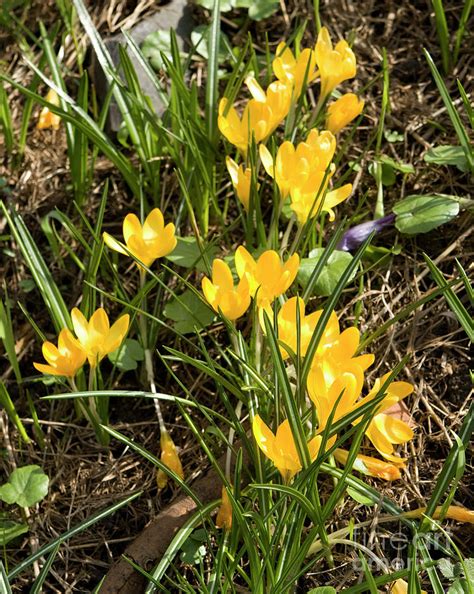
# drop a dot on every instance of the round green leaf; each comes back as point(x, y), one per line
point(200, 41)
point(154, 45)
point(188, 255)
point(327, 281)
point(448, 155)
point(26, 486)
point(420, 214)
point(188, 312)
point(262, 9)
point(126, 357)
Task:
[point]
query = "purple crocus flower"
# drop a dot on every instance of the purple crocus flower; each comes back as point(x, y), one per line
point(354, 236)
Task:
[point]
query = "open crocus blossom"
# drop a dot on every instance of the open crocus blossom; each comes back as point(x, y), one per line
point(385, 430)
point(221, 294)
point(343, 111)
point(295, 166)
point(294, 72)
point(241, 180)
point(268, 277)
point(370, 466)
point(96, 337)
point(261, 115)
point(66, 359)
point(148, 242)
point(48, 119)
point(335, 64)
point(170, 458)
point(312, 198)
point(281, 447)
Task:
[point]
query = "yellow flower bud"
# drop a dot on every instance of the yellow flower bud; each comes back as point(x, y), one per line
point(343, 111)
point(48, 119)
point(148, 242)
point(224, 515)
point(241, 180)
point(170, 458)
point(294, 71)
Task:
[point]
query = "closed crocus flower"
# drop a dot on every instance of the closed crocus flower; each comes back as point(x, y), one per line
point(401, 587)
point(268, 277)
point(294, 166)
point(48, 119)
point(277, 98)
point(343, 111)
point(312, 198)
point(294, 71)
point(148, 242)
point(385, 431)
point(66, 359)
point(221, 293)
point(96, 337)
point(170, 458)
point(241, 180)
point(335, 64)
point(224, 515)
point(370, 466)
point(280, 448)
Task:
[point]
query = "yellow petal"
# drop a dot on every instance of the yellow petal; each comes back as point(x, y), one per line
point(81, 326)
point(267, 160)
point(131, 226)
point(113, 244)
point(153, 225)
point(116, 334)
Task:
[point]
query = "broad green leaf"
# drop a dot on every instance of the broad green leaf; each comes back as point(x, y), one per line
point(420, 214)
point(200, 41)
point(398, 165)
point(322, 590)
point(187, 254)
point(327, 280)
point(188, 312)
point(155, 44)
point(26, 486)
point(126, 357)
point(193, 549)
point(446, 567)
point(261, 9)
point(225, 5)
point(9, 530)
point(448, 155)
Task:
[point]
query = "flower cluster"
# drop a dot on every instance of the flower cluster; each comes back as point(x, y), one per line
point(301, 172)
point(93, 341)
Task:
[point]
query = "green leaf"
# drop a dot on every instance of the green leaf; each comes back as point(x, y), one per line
point(154, 45)
point(193, 549)
point(26, 486)
point(327, 280)
point(262, 9)
point(393, 135)
point(359, 497)
point(420, 214)
point(189, 312)
point(323, 590)
point(448, 155)
point(188, 255)
point(459, 586)
point(398, 165)
point(446, 567)
point(126, 357)
point(225, 5)
point(200, 41)
point(9, 530)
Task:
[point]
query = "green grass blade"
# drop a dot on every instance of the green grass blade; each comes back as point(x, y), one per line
point(37, 587)
point(466, 12)
point(212, 67)
point(452, 112)
point(70, 533)
point(10, 409)
point(7, 336)
point(6, 123)
point(39, 270)
point(442, 31)
point(4, 585)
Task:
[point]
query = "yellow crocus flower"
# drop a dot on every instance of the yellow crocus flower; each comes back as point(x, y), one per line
point(287, 326)
point(170, 458)
point(221, 294)
point(241, 180)
point(261, 115)
point(385, 430)
point(312, 198)
point(48, 119)
point(224, 515)
point(268, 277)
point(295, 166)
point(148, 242)
point(281, 448)
point(66, 359)
point(335, 64)
point(95, 336)
point(343, 111)
point(370, 466)
point(294, 71)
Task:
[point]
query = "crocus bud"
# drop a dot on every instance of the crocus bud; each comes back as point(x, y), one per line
point(355, 236)
point(170, 458)
point(224, 515)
